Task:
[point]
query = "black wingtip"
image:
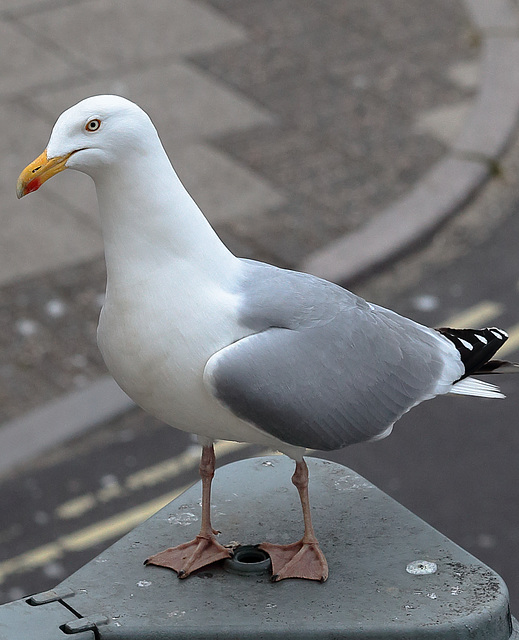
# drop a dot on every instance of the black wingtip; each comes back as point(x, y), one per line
point(476, 347)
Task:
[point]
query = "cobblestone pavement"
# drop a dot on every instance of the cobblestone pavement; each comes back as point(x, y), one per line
point(291, 123)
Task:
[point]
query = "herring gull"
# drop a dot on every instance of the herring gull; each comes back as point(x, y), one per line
point(235, 349)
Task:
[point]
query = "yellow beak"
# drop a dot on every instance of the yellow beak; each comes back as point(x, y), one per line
point(38, 172)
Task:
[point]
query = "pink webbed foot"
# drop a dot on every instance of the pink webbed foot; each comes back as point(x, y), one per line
point(297, 560)
point(190, 556)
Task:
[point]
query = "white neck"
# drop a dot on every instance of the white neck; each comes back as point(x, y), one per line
point(150, 221)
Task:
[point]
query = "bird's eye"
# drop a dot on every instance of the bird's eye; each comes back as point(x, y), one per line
point(93, 125)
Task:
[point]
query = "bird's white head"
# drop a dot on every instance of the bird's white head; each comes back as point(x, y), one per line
point(93, 134)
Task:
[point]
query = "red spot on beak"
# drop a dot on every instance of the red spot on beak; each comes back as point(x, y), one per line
point(33, 185)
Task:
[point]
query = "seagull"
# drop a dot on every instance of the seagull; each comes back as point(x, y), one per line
point(234, 349)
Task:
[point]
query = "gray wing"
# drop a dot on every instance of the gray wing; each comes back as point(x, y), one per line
point(322, 368)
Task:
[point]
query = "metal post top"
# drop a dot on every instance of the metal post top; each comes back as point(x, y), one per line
point(392, 576)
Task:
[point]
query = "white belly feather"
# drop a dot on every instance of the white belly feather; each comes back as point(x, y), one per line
point(156, 346)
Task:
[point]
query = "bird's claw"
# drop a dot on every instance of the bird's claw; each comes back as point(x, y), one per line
point(190, 556)
point(297, 560)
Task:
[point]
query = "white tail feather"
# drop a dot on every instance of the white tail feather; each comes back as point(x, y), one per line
point(479, 388)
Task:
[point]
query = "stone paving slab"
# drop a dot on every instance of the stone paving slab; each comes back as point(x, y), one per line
point(487, 129)
point(62, 240)
point(61, 227)
point(48, 336)
point(211, 177)
point(347, 80)
point(183, 102)
point(42, 234)
point(495, 15)
point(13, 8)
point(133, 33)
point(444, 122)
point(18, 69)
point(310, 72)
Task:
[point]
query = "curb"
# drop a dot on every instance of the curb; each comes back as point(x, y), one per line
point(455, 179)
point(58, 421)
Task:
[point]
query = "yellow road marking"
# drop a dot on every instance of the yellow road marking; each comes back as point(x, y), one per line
point(145, 478)
point(110, 492)
point(186, 461)
point(512, 344)
point(76, 507)
point(476, 316)
point(166, 469)
point(88, 537)
point(108, 529)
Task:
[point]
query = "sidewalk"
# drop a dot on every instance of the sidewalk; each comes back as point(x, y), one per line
point(322, 134)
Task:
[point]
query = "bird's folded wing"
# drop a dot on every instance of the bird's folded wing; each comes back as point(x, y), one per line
point(334, 383)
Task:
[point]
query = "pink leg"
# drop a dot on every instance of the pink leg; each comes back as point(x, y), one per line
point(203, 550)
point(302, 559)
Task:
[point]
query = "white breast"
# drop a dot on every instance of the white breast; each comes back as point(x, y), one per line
point(156, 337)
point(156, 343)
point(170, 304)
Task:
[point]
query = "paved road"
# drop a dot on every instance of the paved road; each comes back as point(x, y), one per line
point(451, 461)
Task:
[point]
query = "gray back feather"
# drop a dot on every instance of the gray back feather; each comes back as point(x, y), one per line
point(322, 368)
